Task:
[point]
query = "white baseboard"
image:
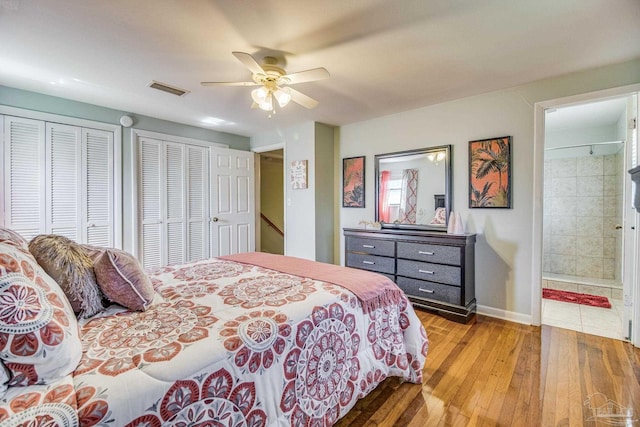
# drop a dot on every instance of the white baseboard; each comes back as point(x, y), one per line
point(511, 316)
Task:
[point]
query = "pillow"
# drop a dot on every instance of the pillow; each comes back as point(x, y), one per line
point(440, 217)
point(12, 238)
point(122, 280)
point(39, 339)
point(68, 264)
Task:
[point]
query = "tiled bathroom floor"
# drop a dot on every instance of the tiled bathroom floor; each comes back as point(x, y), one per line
point(605, 322)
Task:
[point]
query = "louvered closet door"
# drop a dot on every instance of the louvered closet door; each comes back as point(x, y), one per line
point(175, 203)
point(197, 202)
point(98, 188)
point(151, 202)
point(64, 163)
point(24, 176)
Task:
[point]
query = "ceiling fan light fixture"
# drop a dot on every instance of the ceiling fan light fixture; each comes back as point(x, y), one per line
point(267, 103)
point(259, 95)
point(283, 96)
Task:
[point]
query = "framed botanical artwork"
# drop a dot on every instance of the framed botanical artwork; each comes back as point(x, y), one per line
point(353, 182)
point(299, 174)
point(490, 173)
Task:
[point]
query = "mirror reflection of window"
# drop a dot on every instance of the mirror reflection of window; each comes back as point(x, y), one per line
point(412, 188)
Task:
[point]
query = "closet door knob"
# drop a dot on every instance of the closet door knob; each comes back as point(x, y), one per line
point(618, 227)
point(214, 219)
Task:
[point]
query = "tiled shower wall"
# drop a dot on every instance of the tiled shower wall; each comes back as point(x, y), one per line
point(582, 206)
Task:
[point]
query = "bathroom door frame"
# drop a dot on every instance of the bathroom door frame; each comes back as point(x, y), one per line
point(538, 186)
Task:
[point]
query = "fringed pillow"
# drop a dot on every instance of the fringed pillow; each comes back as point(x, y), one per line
point(69, 265)
point(122, 280)
point(39, 339)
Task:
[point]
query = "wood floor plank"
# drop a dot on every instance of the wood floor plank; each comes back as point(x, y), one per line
point(498, 373)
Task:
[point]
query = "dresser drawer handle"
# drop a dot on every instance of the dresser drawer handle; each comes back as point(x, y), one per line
point(368, 262)
point(425, 253)
point(429, 291)
point(426, 271)
point(368, 246)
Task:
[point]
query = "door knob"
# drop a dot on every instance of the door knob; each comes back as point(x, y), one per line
point(618, 227)
point(214, 219)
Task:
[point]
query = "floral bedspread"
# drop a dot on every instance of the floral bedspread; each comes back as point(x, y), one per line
point(239, 345)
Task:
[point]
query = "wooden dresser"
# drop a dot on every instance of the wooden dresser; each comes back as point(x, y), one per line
point(436, 270)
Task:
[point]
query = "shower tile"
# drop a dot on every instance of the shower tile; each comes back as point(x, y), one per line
point(563, 225)
point(595, 290)
point(610, 207)
point(616, 295)
point(588, 267)
point(589, 246)
point(590, 186)
point(589, 226)
point(563, 264)
point(564, 206)
point(589, 206)
point(610, 224)
point(590, 166)
point(609, 247)
point(608, 268)
point(611, 185)
point(562, 286)
point(610, 165)
point(563, 167)
point(563, 245)
point(546, 262)
point(562, 187)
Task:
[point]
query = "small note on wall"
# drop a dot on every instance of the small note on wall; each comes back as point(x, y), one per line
point(298, 174)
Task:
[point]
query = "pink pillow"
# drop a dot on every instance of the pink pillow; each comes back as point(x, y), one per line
point(122, 280)
point(39, 339)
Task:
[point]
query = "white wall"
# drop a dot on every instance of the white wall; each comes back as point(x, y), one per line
point(504, 236)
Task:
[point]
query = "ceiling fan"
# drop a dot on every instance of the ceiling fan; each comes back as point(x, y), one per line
point(274, 83)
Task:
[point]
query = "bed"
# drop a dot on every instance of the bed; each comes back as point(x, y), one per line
point(228, 341)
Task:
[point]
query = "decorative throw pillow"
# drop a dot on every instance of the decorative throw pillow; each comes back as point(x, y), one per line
point(122, 280)
point(68, 264)
point(39, 339)
point(440, 217)
point(5, 376)
point(10, 237)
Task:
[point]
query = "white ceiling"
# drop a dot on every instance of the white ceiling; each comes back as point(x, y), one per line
point(384, 56)
point(593, 114)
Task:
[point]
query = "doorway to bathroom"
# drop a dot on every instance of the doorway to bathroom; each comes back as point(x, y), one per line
point(587, 151)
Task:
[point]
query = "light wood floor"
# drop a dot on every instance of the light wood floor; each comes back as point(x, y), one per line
point(498, 373)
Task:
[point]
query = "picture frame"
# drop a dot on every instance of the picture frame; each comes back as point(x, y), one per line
point(353, 175)
point(490, 173)
point(298, 174)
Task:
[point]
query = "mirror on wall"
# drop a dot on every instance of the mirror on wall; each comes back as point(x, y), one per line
point(413, 188)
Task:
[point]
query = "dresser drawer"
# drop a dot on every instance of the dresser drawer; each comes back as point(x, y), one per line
point(432, 272)
point(371, 246)
point(431, 290)
point(378, 264)
point(429, 253)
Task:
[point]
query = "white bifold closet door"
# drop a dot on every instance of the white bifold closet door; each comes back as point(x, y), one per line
point(59, 179)
point(173, 202)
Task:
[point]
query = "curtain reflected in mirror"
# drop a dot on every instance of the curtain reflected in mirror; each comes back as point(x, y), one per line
point(412, 188)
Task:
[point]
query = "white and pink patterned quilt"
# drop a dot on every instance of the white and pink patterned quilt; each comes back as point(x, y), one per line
point(234, 344)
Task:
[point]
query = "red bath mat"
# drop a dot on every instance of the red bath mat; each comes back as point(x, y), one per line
point(576, 298)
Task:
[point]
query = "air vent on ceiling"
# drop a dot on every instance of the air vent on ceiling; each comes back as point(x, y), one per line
point(168, 88)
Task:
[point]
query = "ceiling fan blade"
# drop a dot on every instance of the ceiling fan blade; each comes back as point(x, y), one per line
point(249, 62)
point(302, 99)
point(229, 83)
point(307, 76)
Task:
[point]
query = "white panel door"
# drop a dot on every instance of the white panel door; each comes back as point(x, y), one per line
point(24, 176)
point(63, 174)
point(232, 202)
point(98, 188)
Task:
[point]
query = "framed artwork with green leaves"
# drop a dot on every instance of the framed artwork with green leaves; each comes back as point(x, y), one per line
point(490, 173)
point(353, 182)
